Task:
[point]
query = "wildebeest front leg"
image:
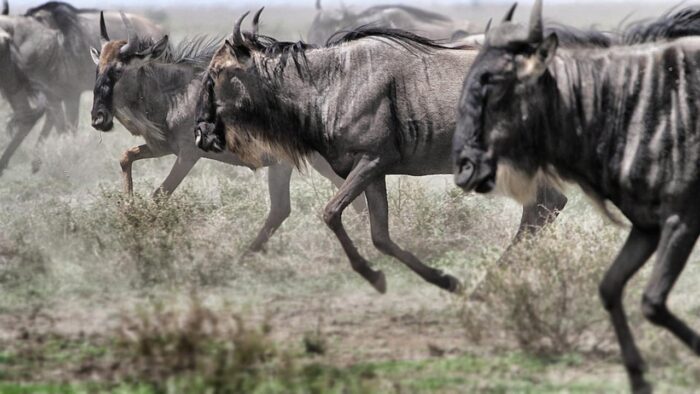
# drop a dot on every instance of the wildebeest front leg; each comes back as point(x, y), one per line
point(677, 241)
point(360, 177)
point(639, 247)
point(543, 211)
point(321, 165)
point(23, 125)
point(72, 108)
point(128, 158)
point(278, 179)
point(182, 167)
point(379, 222)
point(55, 118)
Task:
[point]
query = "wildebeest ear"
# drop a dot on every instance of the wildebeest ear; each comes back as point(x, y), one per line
point(548, 48)
point(241, 52)
point(154, 51)
point(533, 66)
point(95, 54)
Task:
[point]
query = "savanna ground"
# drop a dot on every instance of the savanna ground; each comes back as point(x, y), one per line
point(103, 294)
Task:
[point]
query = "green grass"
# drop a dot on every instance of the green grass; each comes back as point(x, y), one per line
point(76, 262)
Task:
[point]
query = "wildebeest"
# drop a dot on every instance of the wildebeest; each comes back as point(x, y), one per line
point(375, 102)
point(45, 65)
point(426, 23)
point(152, 90)
point(622, 122)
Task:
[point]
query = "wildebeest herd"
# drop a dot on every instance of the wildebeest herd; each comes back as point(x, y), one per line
point(520, 109)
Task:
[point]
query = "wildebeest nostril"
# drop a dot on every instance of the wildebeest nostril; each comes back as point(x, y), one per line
point(98, 119)
point(464, 173)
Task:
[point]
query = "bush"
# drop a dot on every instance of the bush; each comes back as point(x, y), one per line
point(545, 294)
point(198, 349)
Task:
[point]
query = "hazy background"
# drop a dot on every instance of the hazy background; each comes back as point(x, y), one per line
point(290, 19)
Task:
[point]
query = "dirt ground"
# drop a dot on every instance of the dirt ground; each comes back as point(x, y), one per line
point(77, 265)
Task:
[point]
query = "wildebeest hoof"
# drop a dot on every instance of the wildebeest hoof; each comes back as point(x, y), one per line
point(639, 384)
point(257, 249)
point(379, 283)
point(451, 284)
point(642, 387)
point(36, 166)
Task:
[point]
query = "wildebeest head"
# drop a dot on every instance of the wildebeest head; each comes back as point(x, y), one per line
point(228, 67)
point(112, 60)
point(499, 105)
point(328, 22)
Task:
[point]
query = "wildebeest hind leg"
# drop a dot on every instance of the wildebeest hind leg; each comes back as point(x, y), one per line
point(182, 167)
point(640, 245)
point(677, 241)
point(379, 222)
point(278, 179)
point(366, 171)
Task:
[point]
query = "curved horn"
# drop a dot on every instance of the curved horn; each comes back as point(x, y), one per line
point(509, 14)
point(256, 21)
point(488, 26)
point(237, 35)
point(104, 37)
point(318, 5)
point(131, 34)
point(5, 7)
point(536, 25)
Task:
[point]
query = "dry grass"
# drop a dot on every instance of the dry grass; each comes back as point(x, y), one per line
point(96, 288)
point(544, 295)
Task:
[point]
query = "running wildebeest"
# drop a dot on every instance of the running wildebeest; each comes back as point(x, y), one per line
point(45, 67)
point(152, 90)
point(426, 23)
point(621, 122)
point(373, 103)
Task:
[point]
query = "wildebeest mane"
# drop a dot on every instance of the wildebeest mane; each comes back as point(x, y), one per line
point(571, 36)
point(284, 50)
point(669, 26)
point(420, 14)
point(196, 51)
point(402, 37)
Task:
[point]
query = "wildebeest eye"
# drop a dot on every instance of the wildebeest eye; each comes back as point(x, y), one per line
point(486, 78)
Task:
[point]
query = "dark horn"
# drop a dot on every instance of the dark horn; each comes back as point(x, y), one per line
point(256, 21)
point(131, 34)
point(5, 7)
point(237, 35)
point(510, 13)
point(488, 26)
point(104, 37)
point(318, 5)
point(536, 25)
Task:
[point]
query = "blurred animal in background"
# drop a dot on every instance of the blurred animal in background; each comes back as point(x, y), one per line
point(419, 21)
point(45, 65)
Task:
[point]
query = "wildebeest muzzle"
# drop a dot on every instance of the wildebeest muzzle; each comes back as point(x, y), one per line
point(209, 137)
point(474, 171)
